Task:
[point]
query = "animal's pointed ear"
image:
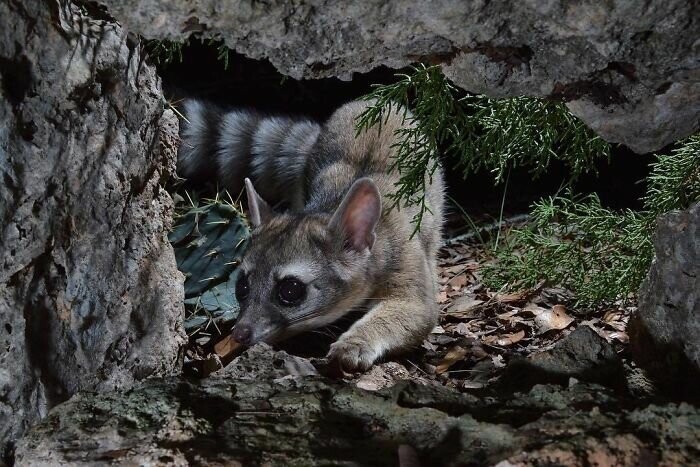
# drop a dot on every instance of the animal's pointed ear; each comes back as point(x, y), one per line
point(358, 214)
point(260, 211)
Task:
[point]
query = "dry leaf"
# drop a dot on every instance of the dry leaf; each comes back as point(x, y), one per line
point(382, 376)
point(616, 319)
point(457, 282)
point(511, 297)
point(534, 309)
point(454, 293)
point(463, 329)
point(438, 330)
point(464, 306)
point(442, 297)
point(454, 355)
point(505, 340)
point(509, 316)
point(428, 346)
point(558, 318)
point(613, 315)
point(451, 270)
point(546, 320)
point(620, 336)
point(226, 346)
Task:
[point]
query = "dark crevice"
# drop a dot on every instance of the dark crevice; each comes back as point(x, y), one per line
point(456, 405)
point(8, 454)
point(599, 92)
point(16, 75)
point(95, 10)
point(41, 323)
point(257, 84)
point(663, 88)
point(628, 70)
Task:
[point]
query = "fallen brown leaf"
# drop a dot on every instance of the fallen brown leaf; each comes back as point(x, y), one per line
point(510, 316)
point(546, 320)
point(451, 270)
point(616, 319)
point(534, 309)
point(504, 340)
point(226, 347)
point(457, 282)
point(464, 306)
point(620, 336)
point(454, 355)
point(511, 297)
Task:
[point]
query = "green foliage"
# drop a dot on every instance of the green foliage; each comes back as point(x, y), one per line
point(526, 132)
point(577, 243)
point(208, 238)
point(430, 127)
point(574, 241)
point(476, 131)
point(600, 254)
point(164, 52)
point(675, 179)
point(222, 52)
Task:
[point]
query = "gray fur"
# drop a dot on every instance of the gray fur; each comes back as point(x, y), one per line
point(234, 143)
point(199, 138)
point(228, 146)
point(332, 240)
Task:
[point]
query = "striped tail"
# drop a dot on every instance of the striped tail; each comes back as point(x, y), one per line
point(229, 146)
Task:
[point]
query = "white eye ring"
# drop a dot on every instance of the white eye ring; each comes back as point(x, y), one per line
point(291, 291)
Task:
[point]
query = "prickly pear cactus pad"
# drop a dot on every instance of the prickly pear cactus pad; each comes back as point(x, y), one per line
point(208, 237)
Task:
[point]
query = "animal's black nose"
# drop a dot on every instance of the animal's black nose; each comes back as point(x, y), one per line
point(242, 333)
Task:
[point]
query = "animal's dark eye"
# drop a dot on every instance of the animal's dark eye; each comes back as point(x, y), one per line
point(242, 289)
point(291, 291)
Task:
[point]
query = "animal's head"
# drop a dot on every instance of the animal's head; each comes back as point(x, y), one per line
point(302, 272)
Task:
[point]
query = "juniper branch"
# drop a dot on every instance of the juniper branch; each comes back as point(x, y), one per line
point(477, 132)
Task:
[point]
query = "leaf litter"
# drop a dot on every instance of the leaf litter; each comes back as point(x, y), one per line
point(479, 332)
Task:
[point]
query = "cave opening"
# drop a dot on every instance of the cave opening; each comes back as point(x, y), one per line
point(243, 82)
point(248, 83)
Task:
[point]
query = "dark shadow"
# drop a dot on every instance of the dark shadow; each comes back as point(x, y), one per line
point(666, 363)
point(257, 84)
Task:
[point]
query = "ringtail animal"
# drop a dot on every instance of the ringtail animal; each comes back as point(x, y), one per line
point(335, 247)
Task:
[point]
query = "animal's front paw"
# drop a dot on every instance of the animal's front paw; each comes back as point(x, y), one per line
point(353, 354)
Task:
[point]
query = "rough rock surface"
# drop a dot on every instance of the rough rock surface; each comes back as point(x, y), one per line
point(630, 70)
point(296, 420)
point(90, 297)
point(583, 355)
point(665, 333)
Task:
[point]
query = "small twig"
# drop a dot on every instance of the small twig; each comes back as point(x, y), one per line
point(418, 368)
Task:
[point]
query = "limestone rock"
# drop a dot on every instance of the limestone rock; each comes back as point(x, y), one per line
point(311, 420)
point(582, 355)
point(90, 297)
point(665, 333)
point(631, 71)
point(261, 361)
